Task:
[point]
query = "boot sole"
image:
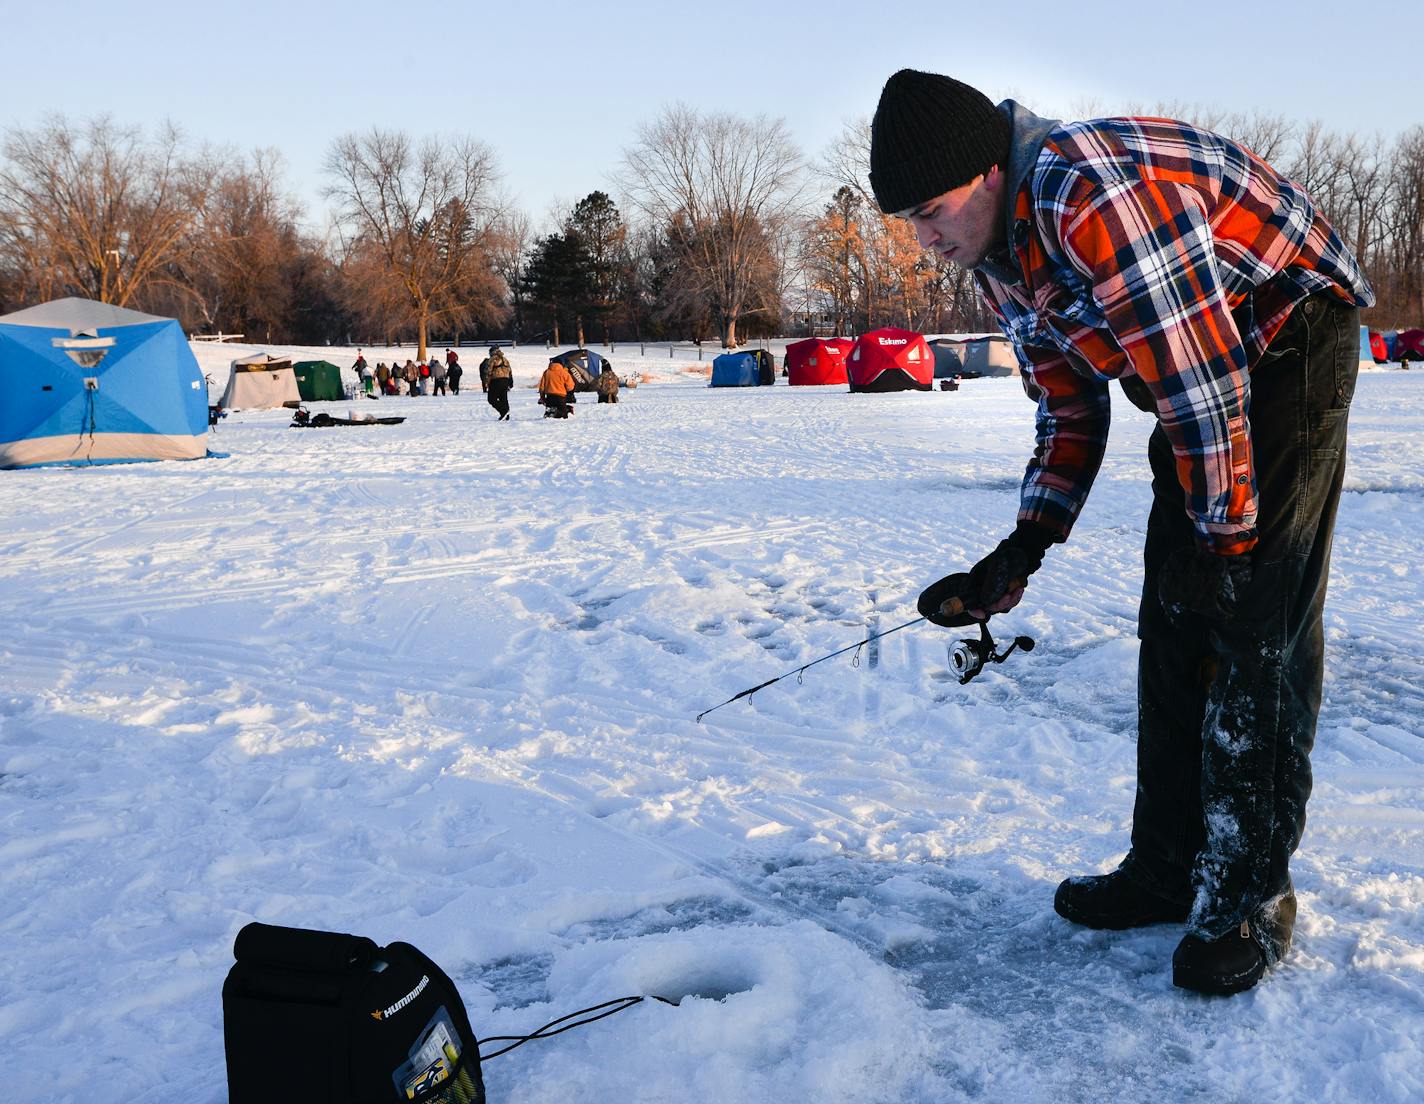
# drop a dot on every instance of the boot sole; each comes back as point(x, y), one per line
point(1120, 923)
point(1117, 921)
point(1213, 986)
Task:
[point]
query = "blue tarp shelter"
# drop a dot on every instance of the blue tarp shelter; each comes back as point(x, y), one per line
point(88, 382)
point(584, 365)
point(947, 361)
point(736, 370)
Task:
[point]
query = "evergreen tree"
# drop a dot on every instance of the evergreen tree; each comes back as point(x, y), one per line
point(556, 280)
point(599, 228)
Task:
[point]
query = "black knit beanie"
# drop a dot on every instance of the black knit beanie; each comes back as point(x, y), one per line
point(932, 134)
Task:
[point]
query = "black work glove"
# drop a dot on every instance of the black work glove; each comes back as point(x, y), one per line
point(934, 596)
point(1197, 581)
point(1017, 557)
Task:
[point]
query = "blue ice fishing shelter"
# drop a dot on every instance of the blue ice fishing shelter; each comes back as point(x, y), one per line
point(584, 365)
point(88, 382)
point(736, 370)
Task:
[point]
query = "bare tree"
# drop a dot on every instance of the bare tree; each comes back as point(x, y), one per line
point(640, 275)
point(1367, 183)
point(235, 264)
point(509, 243)
point(723, 189)
point(96, 209)
point(678, 299)
point(846, 162)
point(1406, 225)
point(1086, 107)
point(367, 290)
point(1316, 162)
point(1269, 137)
point(425, 216)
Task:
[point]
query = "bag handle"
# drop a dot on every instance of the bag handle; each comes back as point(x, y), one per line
point(299, 949)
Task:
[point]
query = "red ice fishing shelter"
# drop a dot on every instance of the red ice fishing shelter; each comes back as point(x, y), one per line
point(818, 361)
point(1378, 349)
point(1409, 345)
point(891, 360)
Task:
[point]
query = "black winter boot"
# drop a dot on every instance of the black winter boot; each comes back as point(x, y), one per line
point(1237, 960)
point(1274, 925)
point(1219, 967)
point(1115, 902)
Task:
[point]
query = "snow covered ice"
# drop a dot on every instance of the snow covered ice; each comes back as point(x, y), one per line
point(436, 682)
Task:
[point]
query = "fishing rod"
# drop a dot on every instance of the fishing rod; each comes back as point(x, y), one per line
point(799, 671)
point(967, 657)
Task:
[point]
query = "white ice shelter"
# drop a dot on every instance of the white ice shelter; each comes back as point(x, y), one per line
point(261, 382)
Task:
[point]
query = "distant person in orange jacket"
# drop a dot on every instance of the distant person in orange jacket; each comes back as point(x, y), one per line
point(555, 388)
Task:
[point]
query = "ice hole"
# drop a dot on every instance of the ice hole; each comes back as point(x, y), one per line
point(712, 982)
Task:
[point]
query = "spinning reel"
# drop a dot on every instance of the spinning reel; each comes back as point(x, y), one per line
point(967, 657)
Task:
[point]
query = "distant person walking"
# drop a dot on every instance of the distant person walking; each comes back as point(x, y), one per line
point(485, 369)
point(501, 379)
point(412, 377)
point(453, 370)
point(555, 387)
point(437, 375)
point(383, 377)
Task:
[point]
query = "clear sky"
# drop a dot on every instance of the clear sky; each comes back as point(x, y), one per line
point(557, 88)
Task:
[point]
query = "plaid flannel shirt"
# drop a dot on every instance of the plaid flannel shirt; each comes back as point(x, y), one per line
point(1150, 248)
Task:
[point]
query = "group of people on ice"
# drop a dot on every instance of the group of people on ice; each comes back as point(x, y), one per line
point(437, 377)
point(442, 377)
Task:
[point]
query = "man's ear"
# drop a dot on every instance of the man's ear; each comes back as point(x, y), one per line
point(994, 179)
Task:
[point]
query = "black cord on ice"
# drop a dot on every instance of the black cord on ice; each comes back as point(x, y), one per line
point(87, 425)
point(799, 670)
point(607, 1008)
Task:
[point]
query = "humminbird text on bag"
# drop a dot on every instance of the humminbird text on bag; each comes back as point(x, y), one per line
point(386, 1014)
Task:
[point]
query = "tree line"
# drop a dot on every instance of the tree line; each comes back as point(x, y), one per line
point(726, 232)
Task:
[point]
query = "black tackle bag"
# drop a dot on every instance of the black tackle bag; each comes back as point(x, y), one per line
point(312, 1017)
